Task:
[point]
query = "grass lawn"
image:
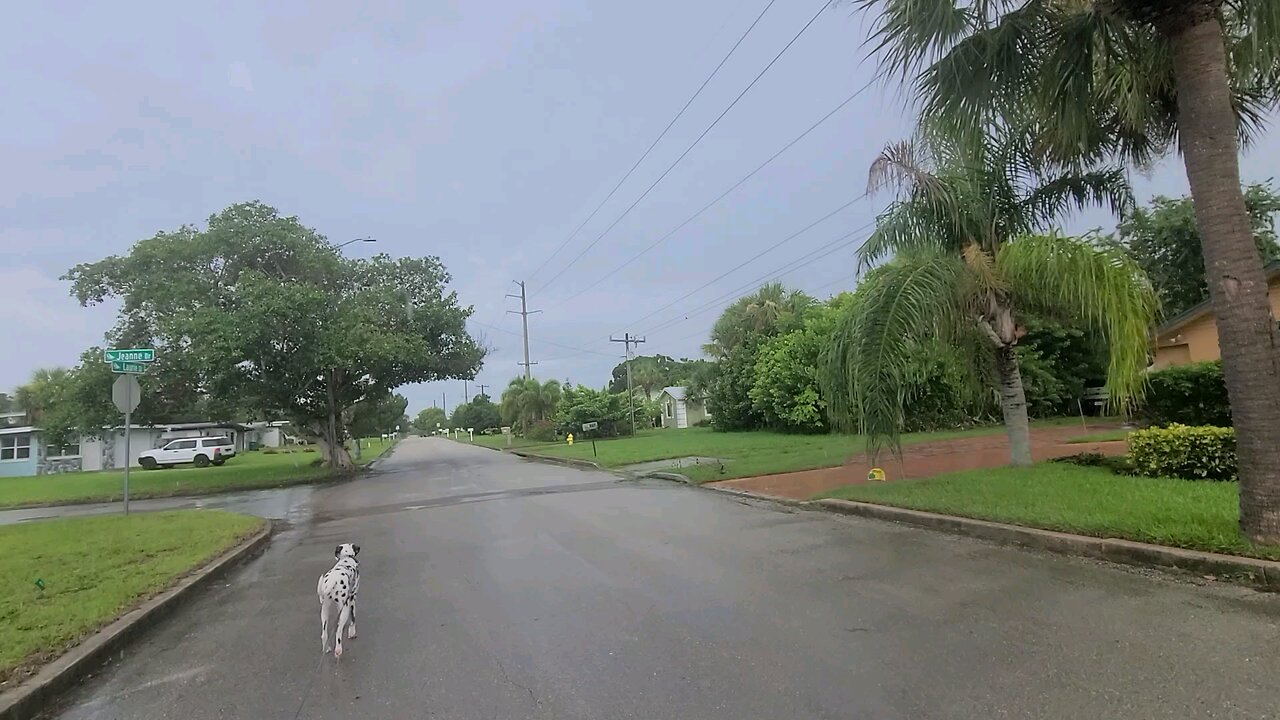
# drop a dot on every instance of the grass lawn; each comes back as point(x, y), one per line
point(745, 453)
point(371, 449)
point(246, 471)
point(1194, 514)
point(94, 569)
point(1103, 436)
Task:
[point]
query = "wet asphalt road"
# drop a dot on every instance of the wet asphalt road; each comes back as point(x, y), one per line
point(495, 588)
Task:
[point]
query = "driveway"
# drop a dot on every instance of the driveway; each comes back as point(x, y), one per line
point(497, 588)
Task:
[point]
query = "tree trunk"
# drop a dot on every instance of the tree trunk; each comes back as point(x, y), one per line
point(330, 438)
point(1233, 268)
point(1013, 404)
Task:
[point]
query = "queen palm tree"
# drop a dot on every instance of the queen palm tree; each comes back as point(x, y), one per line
point(527, 399)
point(1131, 79)
point(970, 256)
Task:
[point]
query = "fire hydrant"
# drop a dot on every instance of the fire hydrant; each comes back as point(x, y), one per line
point(570, 438)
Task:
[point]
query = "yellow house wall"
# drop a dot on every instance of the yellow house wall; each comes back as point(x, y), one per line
point(1200, 337)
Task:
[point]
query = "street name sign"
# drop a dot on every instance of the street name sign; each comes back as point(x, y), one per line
point(131, 368)
point(142, 355)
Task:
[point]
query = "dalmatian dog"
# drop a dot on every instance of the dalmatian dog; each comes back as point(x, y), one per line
point(337, 589)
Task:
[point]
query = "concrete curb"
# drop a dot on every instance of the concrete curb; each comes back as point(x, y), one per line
point(567, 462)
point(36, 693)
point(1262, 574)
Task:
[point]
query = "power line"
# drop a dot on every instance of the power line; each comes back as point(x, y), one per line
point(545, 342)
point(722, 195)
point(654, 144)
point(807, 259)
point(750, 260)
point(687, 150)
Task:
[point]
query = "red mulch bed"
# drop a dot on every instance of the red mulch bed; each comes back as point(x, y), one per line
point(925, 460)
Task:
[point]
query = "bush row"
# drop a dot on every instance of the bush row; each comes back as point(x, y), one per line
point(1196, 453)
point(1191, 394)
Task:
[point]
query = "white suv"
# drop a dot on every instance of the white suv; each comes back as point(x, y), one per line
point(202, 451)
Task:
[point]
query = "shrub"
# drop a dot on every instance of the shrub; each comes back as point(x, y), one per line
point(1196, 453)
point(1191, 394)
point(541, 431)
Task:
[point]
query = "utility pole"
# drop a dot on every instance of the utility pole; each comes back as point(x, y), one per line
point(482, 387)
point(628, 340)
point(524, 314)
point(466, 398)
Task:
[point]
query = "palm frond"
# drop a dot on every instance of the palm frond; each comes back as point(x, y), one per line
point(911, 33)
point(1099, 287)
point(867, 363)
point(906, 227)
point(1106, 187)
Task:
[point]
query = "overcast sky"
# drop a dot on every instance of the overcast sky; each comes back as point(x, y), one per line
point(483, 133)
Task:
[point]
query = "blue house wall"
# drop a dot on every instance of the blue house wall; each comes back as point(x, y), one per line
point(22, 467)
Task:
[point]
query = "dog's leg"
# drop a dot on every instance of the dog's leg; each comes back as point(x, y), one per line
point(344, 617)
point(351, 629)
point(324, 626)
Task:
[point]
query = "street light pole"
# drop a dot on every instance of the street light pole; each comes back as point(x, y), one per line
point(339, 246)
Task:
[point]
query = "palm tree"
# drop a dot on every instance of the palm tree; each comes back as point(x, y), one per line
point(770, 309)
point(1132, 79)
point(41, 394)
point(526, 400)
point(969, 258)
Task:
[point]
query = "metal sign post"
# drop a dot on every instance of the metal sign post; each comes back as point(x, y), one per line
point(126, 393)
point(129, 363)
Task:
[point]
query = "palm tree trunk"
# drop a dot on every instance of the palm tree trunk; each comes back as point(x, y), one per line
point(1013, 404)
point(1237, 284)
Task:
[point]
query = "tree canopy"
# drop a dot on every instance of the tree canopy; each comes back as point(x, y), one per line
point(258, 307)
point(1165, 241)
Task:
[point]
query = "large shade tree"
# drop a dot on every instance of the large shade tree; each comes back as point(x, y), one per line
point(1131, 79)
point(260, 308)
point(969, 259)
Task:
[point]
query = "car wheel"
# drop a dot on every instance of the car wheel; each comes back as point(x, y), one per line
point(202, 461)
point(147, 463)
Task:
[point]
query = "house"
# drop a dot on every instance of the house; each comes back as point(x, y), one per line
point(1193, 335)
point(679, 410)
point(24, 454)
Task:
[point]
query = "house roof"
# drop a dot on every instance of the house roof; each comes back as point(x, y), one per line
point(1196, 312)
point(677, 392)
point(16, 430)
point(205, 426)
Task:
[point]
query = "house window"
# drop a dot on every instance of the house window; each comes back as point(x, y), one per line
point(15, 447)
point(671, 408)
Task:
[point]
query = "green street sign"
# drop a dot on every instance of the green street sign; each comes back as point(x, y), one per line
point(138, 355)
point(131, 368)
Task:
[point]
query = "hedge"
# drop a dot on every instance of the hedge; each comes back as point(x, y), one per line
point(1191, 394)
point(1195, 453)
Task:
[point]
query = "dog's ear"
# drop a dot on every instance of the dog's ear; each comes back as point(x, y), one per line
point(356, 549)
point(337, 551)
